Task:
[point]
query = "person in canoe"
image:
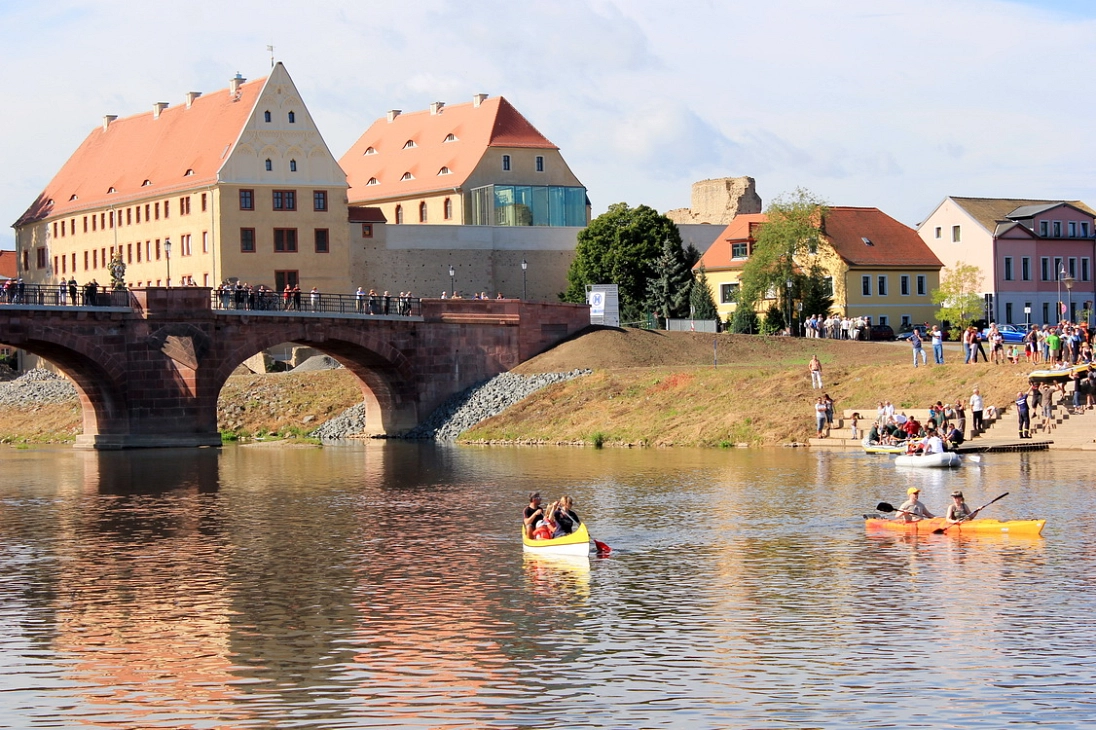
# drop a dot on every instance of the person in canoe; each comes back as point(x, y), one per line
point(912, 510)
point(533, 514)
point(564, 516)
point(958, 511)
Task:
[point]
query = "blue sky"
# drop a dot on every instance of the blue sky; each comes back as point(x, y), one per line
point(887, 103)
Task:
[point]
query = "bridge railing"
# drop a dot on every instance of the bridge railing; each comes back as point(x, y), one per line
point(318, 302)
point(56, 295)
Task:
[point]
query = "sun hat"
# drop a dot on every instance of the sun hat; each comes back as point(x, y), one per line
point(957, 493)
point(913, 490)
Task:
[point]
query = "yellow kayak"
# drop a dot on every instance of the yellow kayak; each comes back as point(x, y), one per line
point(577, 543)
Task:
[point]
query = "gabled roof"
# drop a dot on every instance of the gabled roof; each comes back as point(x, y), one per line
point(870, 237)
point(741, 228)
point(178, 150)
point(365, 214)
point(988, 211)
point(1006, 227)
point(406, 155)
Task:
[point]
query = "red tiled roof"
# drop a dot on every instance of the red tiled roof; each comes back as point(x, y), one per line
point(892, 243)
point(141, 147)
point(366, 214)
point(494, 123)
point(8, 265)
point(718, 255)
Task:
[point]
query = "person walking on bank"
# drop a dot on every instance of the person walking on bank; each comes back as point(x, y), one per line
point(815, 366)
point(937, 345)
point(975, 413)
point(1023, 415)
point(918, 348)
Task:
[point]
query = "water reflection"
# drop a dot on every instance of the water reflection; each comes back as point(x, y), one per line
point(383, 585)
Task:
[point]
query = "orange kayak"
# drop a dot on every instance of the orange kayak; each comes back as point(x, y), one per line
point(973, 527)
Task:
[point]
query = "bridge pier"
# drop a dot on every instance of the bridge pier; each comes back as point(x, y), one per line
point(149, 374)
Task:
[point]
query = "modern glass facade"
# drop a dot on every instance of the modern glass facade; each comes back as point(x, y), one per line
point(528, 205)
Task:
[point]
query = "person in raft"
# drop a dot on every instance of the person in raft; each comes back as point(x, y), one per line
point(912, 510)
point(533, 514)
point(958, 511)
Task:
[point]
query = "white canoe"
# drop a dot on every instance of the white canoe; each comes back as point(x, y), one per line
point(945, 459)
point(577, 543)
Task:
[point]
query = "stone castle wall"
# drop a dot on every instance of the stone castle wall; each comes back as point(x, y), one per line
point(718, 201)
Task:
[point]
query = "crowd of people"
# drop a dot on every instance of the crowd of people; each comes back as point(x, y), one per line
point(63, 293)
point(944, 429)
point(836, 328)
point(557, 520)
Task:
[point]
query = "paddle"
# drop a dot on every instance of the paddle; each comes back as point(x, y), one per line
point(602, 548)
point(942, 530)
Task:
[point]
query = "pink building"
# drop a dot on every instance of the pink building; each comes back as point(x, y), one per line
point(1036, 256)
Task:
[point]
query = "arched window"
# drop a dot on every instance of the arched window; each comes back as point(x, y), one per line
point(444, 170)
point(407, 176)
point(373, 181)
point(266, 117)
point(269, 165)
point(292, 118)
point(422, 212)
point(369, 151)
point(399, 214)
point(448, 209)
point(409, 144)
point(450, 137)
point(292, 165)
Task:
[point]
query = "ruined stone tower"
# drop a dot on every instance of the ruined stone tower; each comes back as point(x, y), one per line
point(718, 201)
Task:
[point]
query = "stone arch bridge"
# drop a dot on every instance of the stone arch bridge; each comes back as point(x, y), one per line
point(149, 374)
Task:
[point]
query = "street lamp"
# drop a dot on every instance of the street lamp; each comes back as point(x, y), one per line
point(452, 279)
point(788, 299)
point(524, 288)
point(1058, 305)
point(1068, 281)
point(167, 255)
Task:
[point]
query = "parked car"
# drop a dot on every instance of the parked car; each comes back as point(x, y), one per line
point(1010, 332)
point(881, 332)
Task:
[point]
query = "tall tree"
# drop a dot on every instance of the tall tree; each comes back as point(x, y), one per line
point(668, 291)
point(620, 247)
point(701, 301)
point(960, 294)
point(793, 230)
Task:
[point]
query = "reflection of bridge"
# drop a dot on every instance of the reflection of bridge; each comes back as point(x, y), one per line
point(149, 374)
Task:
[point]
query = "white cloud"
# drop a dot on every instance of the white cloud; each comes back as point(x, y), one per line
point(894, 103)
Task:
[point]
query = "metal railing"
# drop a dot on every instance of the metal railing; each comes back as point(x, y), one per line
point(57, 295)
point(318, 303)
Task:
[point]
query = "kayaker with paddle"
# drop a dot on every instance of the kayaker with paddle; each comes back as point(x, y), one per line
point(912, 510)
point(957, 511)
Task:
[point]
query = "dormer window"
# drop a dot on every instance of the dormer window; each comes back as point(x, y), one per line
point(409, 144)
point(370, 151)
point(146, 183)
point(269, 165)
point(444, 171)
point(867, 241)
point(373, 181)
point(450, 137)
point(407, 176)
point(292, 165)
point(266, 117)
point(292, 117)
point(74, 197)
point(188, 173)
point(110, 191)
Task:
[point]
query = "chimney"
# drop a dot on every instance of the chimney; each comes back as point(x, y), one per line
point(392, 114)
point(157, 108)
point(107, 119)
point(190, 97)
point(478, 99)
point(235, 83)
point(436, 107)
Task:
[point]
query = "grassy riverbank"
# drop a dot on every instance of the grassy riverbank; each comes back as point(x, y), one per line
point(648, 388)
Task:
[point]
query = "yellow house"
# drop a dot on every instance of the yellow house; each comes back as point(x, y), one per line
point(877, 267)
point(235, 184)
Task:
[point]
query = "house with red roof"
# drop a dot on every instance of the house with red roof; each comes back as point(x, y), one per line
point(877, 267)
point(237, 184)
point(1036, 256)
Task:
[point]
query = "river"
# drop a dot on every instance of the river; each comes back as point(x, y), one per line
point(383, 585)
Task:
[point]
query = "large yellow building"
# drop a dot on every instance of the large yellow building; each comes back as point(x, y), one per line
point(239, 181)
point(877, 267)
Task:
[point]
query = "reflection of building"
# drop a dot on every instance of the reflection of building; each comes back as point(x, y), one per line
point(877, 267)
point(239, 180)
point(1027, 251)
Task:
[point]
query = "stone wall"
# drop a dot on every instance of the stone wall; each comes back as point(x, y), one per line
point(718, 201)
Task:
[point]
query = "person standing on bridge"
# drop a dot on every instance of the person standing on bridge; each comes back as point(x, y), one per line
point(359, 300)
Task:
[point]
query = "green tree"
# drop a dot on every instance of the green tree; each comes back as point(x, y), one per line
point(669, 290)
point(960, 294)
point(816, 292)
point(793, 229)
point(701, 301)
point(620, 247)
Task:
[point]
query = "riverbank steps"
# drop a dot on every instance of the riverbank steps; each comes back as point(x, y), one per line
point(36, 387)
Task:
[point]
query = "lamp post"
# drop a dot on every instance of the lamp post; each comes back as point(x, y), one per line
point(788, 299)
point(1058, 305)
point(167, 255)
point(524, 287)
point(452, 279)
point(1068, 281)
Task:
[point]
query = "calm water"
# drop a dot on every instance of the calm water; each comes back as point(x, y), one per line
point(383, 585)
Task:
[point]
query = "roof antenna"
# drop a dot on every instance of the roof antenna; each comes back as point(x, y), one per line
point(271, 49)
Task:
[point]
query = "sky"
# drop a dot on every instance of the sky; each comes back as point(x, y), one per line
point(894, 104)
